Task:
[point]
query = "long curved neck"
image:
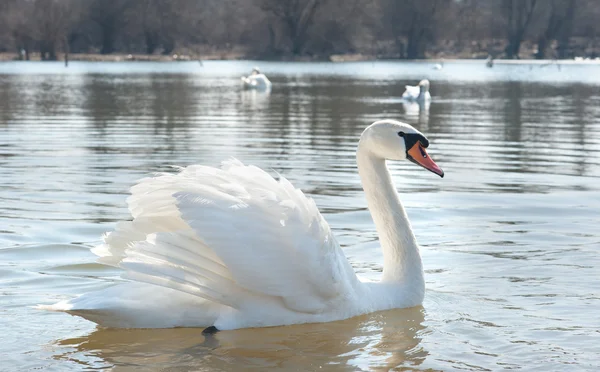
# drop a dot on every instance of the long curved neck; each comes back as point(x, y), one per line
point(402, 261)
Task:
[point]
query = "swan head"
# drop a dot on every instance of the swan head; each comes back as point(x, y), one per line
point(424, 86)
point(255, 71)
point(393, 140)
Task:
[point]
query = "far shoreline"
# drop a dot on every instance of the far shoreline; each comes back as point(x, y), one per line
point(338, 58)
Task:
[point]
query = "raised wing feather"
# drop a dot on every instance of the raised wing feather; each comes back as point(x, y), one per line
point(271, 237)
point(229, 234)
point(411, 92)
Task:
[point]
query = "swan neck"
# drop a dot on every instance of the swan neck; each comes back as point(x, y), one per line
point(402, 261)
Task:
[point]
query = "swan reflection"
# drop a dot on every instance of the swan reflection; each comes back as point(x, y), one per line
point(384, 339)
point(417, 110)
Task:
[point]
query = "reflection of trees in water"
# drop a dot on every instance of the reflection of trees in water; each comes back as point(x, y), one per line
point(161, 103)
point(23, 96)
point(551, 118)
point(380, 340)
point(513, 128)
point(136, 124)
point(513, 124)
point(8, 100)
point(581, 104)
point(327, 107)
point(314, 121)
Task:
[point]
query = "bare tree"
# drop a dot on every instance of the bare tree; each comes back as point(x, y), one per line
point(160, 21)
point(338, 27)
point(53, 20)
point(108, 15)
point(295, 17)
point(518, 15)
point(412, 23)
point(559, 25)
point(318, 28)
point(17, 18)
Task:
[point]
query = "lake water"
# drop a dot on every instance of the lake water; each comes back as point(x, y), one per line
point(510, 237)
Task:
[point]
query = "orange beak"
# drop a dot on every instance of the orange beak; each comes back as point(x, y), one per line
point(418, 155)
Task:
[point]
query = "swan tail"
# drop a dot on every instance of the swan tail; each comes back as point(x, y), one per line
point(127, 305)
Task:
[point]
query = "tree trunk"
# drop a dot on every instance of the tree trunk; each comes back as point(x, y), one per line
point(412, 49)
point(566, 31)
point(52, 52)
point(513, 47)
point(66, 48)
point(272, 41)
point(542, 46)
point(151, 42)
point(168, 45)
point(108, 39)
point(519, 14)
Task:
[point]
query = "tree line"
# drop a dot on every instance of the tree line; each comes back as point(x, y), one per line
point(405, 29)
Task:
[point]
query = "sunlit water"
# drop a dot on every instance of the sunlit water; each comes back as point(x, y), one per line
point(510, 237)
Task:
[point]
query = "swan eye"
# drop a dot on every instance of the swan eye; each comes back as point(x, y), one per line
point(401, 134)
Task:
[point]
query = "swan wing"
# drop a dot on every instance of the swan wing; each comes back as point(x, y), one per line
point(248, 82)
point(231, 235)
point(270, 236)
point(262, 80)
point(259, 81)
point(411, 92)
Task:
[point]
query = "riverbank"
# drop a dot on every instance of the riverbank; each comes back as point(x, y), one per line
point(579, 49)
point(128, 57)
point(10, 57)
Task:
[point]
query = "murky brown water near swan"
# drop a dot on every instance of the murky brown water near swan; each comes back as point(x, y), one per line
point(510, 237)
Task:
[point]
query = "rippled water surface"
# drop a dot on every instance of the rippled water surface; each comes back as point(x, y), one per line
point(510, 237)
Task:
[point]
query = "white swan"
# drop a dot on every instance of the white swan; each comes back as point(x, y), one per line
point(236, 248)
point(419, 93)
point(256, 80)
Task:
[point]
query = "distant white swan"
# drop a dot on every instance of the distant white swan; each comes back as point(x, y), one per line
point(439, 66)
point(256, 80)
point(235, 248)
point(419, 93)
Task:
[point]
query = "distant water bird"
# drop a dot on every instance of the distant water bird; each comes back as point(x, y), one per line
point(439, 66)
point(233, 247)
point(489, 61)
point(418, 93)
point(256, 80)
